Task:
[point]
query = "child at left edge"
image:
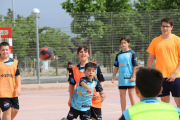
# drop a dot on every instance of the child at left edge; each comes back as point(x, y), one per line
point(82, 95)
point(10, 83)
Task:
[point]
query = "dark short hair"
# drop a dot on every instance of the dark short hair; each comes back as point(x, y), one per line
point(85, 49)
point(4, 44)
point(90, 64)
point(69, 63)
point(124, 38)
point(149, 81)
point(168, 20)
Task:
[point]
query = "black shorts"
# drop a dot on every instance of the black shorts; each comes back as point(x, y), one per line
point(96, 113)
point(70, 76)
point(173, 87)
point(6, 103)
point(125, 87)
point(73, 113)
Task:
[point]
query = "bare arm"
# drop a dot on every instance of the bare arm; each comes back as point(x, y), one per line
point(174, 74)
point(134, 71)
point(114, 74)
point(85, 86)
point(150, 60)
point(178, 68)
point(103, 95)
point(71, 89)
point(67, 73)
point(134, 74)
point(18, 83)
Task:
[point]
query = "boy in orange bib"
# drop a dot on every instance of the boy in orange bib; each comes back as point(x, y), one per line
point(78, 72)
point(10, 83)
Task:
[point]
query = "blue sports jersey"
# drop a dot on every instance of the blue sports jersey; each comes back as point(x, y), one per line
point(82, 100)
point(126, 60)
point(126, 116)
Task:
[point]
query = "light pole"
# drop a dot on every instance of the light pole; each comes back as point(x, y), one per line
point(35, 12)
point(13, 10)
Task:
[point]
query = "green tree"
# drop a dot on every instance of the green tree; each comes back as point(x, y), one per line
point(142, 5)
point(84, 23)
point(24, 38)
point(101, 29)
point(99, 56)
point(156, 4)
point(118, 5)
point(78, 6)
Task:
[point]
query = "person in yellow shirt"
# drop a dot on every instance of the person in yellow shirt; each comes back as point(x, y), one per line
point(166, 49)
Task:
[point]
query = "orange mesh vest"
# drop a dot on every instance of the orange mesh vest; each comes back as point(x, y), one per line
point(7, 79)
point(77, 76)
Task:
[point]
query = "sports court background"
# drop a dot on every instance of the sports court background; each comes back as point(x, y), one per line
point(51, 104)
point(101, 32)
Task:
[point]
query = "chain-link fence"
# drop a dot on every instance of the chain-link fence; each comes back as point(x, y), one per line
point(101, 32)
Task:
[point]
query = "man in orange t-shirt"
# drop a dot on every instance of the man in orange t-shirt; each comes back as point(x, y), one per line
point(166, 48)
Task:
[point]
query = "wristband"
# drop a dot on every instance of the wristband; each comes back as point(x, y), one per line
point(113, 74)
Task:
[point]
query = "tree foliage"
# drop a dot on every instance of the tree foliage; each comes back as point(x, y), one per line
point(100, 28)
point(141, 5)
point(118, 5)
point(24, 38)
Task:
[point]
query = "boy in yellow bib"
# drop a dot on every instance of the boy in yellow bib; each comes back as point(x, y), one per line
point(148, 87)
point(10, 83)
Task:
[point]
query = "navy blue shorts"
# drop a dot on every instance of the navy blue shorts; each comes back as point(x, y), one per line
point(96, 113)
point(6, 103)
point(173, 87)
point(73, 113)
point(125, 87)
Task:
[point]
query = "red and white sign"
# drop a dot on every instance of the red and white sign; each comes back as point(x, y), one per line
point(9, 36)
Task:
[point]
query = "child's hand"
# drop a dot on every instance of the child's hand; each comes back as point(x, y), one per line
point(103, 96)
point(132, 79)
point(113, 79)
point(96, 95)
point(69, 103)
point(18, 90)
point(89, 90)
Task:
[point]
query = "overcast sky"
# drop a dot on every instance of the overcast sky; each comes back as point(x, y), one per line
point(51, 11)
